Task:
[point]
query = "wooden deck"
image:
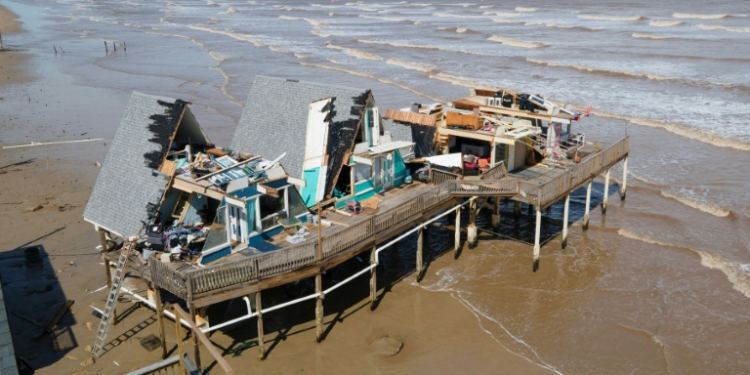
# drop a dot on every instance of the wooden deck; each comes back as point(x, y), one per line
point(399, 210)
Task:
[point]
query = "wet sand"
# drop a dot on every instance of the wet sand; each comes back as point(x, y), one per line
point(43, 191)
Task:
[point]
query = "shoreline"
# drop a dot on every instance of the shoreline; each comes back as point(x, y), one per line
point(59, 179)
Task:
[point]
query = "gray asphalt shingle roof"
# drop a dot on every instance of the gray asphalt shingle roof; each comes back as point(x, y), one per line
point(399, 132)
point(274, 119)
point(128, 187)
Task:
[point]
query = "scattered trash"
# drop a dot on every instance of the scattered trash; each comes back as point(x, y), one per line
point(71, 357)
point(103, 287)
point(115, 362)
point(88, 348)
point(150, 342)
point(90, 326)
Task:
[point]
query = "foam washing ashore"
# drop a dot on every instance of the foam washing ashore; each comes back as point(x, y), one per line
point(517, 43)
point(649, 36)
point(725, 28)
point(354, 52)
point(523, 9)
point(700, 16)
point(446, 283)
point(418, 46)
point(460, 30)
point(560, 26)
point(737, 273)
point(657, 23)
point(679, 129)
point(411, 65)
point(389, 19)
point(232, 35)
point(502, 14)
point(707, 207)
point(462, 81)
point(610, 18)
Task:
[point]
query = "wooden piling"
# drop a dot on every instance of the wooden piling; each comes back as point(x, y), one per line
point(178, 332)
point(458, 232)
point(588, 206)
point(624, 178)
point(537, 234)
point(105, 47)
point(373, 277)
point(107, 270)
point(496, 214)
point(160, 319)
point(1, 41)
point(114, 46)
point(420, 254)
point(566, 208)
point(124, 47)
point(55, 48)
point(606, 191)
point(319, 308)
point(196, 344)
point(471, 229)
point(261, 343)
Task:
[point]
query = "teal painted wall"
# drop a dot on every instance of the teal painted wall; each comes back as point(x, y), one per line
point(311, 186)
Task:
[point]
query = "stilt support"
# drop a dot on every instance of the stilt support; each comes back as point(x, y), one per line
point(196, 344)
point(458, 232)
point(566, 208)
point(160, 320)
point(471, 230)
point(261, 342)
point(319, 308)
point(516, 211)
point(178, 332)
point(624, 178)
point(420, 254)
point(373, 278)
point(536, 237)
point(606, 192)
point(496, 215)
point(107, 270)
point(588, 206)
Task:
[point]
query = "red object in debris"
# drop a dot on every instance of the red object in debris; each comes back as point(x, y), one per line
point(354, 207)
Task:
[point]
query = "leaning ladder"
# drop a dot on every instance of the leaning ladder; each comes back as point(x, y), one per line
point(109, 307)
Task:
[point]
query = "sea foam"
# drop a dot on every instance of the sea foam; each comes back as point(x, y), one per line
point(707, 207)
point(725, 28)
point(649, 36)
point(658, 23)
point(517, 43)
point(610, 18)
point(700, 16)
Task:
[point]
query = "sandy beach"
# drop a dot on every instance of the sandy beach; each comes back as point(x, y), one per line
point(660, 284)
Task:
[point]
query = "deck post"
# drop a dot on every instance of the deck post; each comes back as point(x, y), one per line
point(107, 271)
point(471, 229)
point(588, 204)
point(516, 210)
point(196, 344)
point(261, 343)
point(319, 308)
point(606, 191)
point(178, 332)
point(496, 214)
point(160, 319)
point(373, 277)
point(537, 233)
point(565, 221)
point(458, 231)
point(624, 178)
point(420, 259)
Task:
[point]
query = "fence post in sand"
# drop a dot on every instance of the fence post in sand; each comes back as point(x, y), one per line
point(373, 277)
point(624, 178)
point(196, 344)
point(105, 47)
point(1, 41)
point(160, 319)
point(496, 214)
point(420, 259)
point(606, 191)
point(471, 230)
point(565, 221)
point(537, 233)
point(261, 344)
point(458, 232)
point(55, 48)
point(114, 46)
point(588, 204)
point(319, 307)
point(124, 47)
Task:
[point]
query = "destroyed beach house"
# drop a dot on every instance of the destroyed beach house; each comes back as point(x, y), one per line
point(210, 224)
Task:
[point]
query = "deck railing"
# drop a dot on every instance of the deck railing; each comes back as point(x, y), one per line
point(437, 176)
point(495, 173)
point(225, 275)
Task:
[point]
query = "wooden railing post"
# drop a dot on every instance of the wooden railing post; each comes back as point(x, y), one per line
point(373, 277)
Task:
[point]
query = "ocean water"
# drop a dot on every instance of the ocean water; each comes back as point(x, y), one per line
point(661, 284)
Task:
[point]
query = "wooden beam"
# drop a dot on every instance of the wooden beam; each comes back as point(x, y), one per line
point(228, 168)
point(261, 343)
point(160, 319)
point(206, 342)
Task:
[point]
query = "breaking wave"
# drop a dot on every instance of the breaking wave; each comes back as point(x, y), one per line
point(501, 14)
point(462, 81)
point(700, 16)
point(411, 65)
point(523, 9)
point(570, 27)
point(683, 130)
point(355, 52)
point(451, 15)
point(707, 207)
point(421, 46)
point(737, 273)
point(517, 43)
point(610, 18)
point(366, 75)
point(389, 19)
point(658, 23)
point(725, 28)
point(460, 30)
point(232, 35)
point(649, 36)
point(504, 20)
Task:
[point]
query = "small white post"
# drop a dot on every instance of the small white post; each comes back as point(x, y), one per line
point(606, 191)
point(471, 229)
point(536, 236)
point(624, 177)
point(565, 221)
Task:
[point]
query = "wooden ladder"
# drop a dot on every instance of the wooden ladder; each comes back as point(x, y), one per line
point(109, 307)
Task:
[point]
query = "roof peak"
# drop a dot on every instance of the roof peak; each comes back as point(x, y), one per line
point(308, 83)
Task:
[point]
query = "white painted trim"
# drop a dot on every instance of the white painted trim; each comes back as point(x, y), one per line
point(297, 181)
